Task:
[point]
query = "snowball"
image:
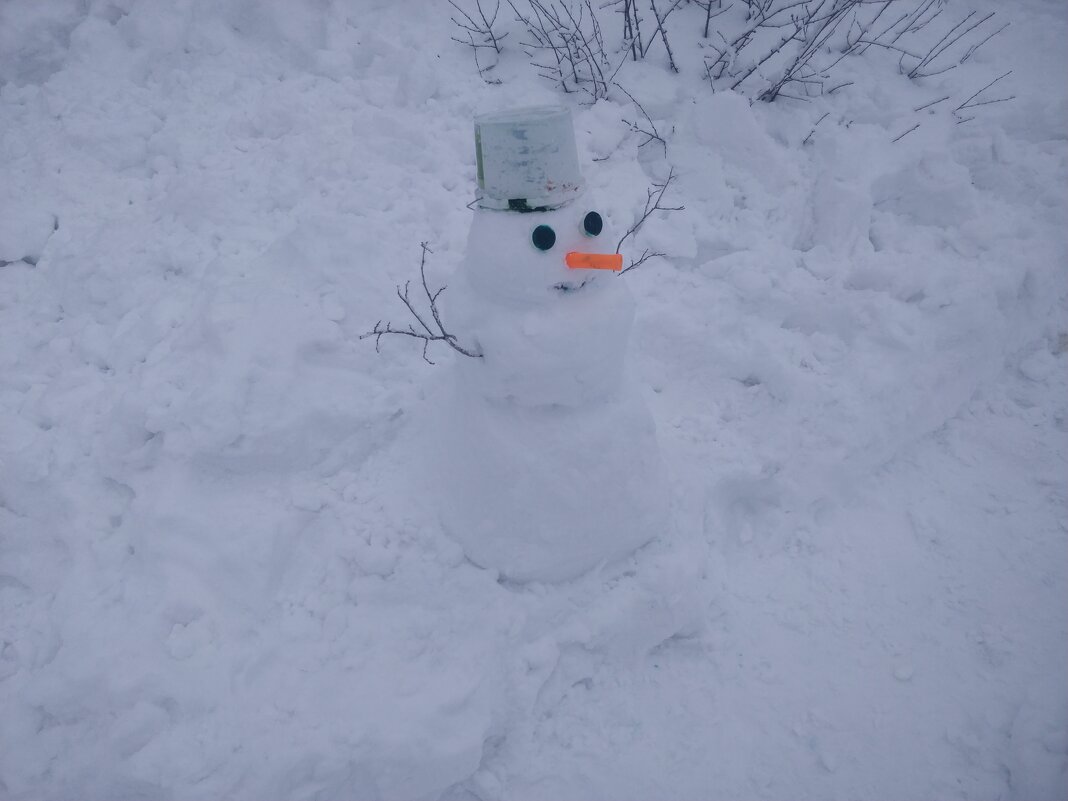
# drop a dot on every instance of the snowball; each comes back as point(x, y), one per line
point(568, 352)
point(546, 493)
point(503, 266)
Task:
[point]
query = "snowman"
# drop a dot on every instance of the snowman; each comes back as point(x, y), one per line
point(545, 460)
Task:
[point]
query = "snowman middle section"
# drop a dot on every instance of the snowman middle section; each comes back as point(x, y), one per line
point(548, 454)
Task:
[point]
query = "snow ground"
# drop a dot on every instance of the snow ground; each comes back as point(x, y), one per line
point(215, 580)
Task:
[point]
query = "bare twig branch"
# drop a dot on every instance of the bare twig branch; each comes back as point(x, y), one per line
point(479, 35)
point(902, 136)
point(570, 33)
point(484, 30)
point(709, 16)
point(794, 63)
point(427, 333)
point(969, 104)
point(814, 127)
point(652, 134)
point(971, 50)
point(932, 103)
point(653, 198)
point(632, 30)
point(638, 262)
point(663, 33)
point(950, 38)
point(813, 42)
point(990, 102)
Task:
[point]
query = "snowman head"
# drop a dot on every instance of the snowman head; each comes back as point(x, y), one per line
point(535, 231)
point(538, 255)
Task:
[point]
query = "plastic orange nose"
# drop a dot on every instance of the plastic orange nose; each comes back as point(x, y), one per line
point(594, 261)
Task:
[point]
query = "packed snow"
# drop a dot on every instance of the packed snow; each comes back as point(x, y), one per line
point(234, 557)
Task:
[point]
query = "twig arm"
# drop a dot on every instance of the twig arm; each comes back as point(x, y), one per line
point(427, 334)
point(653, 198)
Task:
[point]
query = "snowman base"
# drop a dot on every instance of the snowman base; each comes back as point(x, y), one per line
point(545, 493)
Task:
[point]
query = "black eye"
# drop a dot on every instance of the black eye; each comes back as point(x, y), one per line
point(593, 223)
point(543, 237)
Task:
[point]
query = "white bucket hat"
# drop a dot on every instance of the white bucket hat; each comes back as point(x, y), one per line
point(527, 159)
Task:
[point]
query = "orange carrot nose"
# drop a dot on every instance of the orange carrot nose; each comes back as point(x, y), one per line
point(594, 261)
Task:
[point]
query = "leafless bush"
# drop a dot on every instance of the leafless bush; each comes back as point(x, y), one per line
point(790, 48)
point(781, 42)
point(566, 46)
point(902, 37)
point(632, 27)
point(649, 129)
point(425, 331)
point(478, 34)
point(766, 49)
